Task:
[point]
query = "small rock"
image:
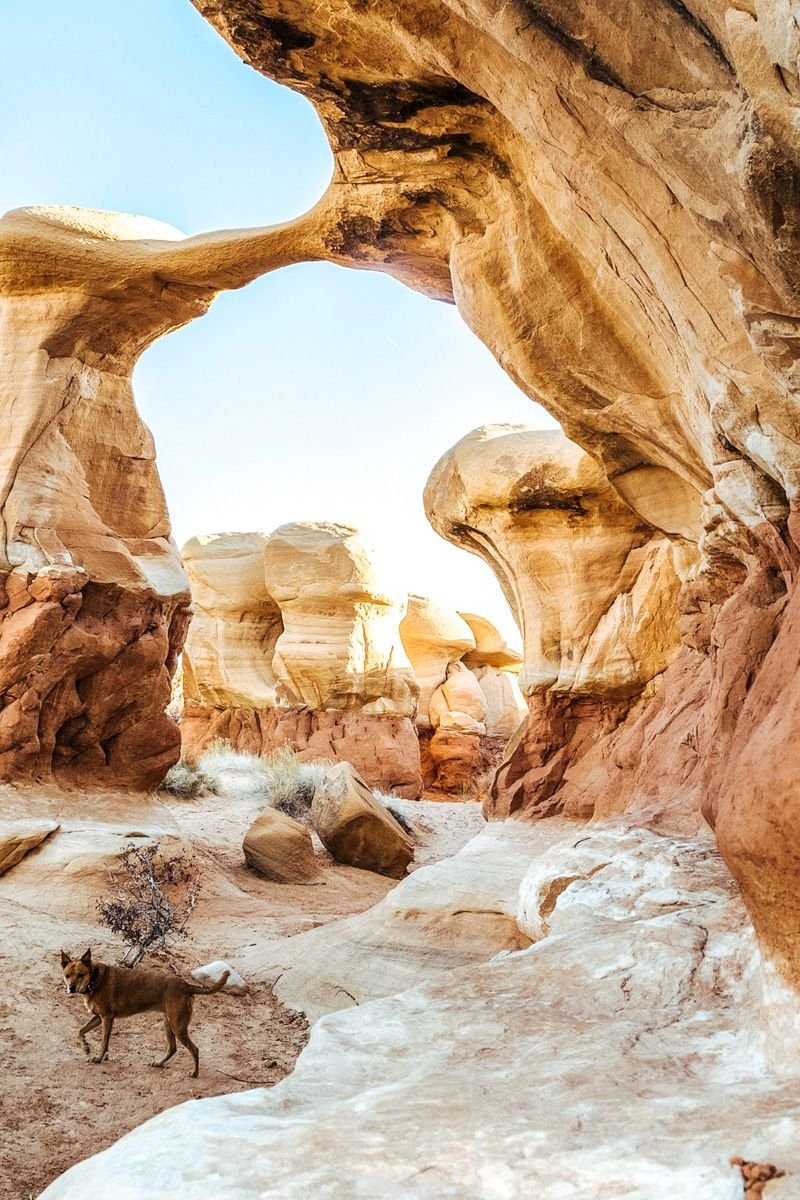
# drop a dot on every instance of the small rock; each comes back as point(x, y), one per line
point(212, 972)
point(280, 848)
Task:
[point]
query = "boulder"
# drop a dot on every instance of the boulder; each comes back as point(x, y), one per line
point(356, 828)
point(280, 848)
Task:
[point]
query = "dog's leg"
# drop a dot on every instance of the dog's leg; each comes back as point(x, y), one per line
point(181, 1027)
point(108, 1025)
point(91, 1024)
point(172, 1045)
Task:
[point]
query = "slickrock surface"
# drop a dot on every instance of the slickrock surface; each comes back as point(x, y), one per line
point(227, 658)
point(621, 1053)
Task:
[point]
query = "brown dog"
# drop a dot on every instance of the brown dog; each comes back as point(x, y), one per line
point(111, 992)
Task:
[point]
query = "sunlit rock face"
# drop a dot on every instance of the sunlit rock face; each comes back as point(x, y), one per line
point(496, 666)
point(94, 598)
point(340, 647)
point(334, 685)
point(227, 659)
point(593, 587)
point(434, 636)
point(611, 198)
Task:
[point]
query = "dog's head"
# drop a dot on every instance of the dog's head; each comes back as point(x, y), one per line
point(77, 972)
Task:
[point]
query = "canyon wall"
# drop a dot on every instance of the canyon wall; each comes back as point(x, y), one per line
point(611, 198)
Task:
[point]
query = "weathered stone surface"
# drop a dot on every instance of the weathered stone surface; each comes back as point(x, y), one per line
point(280, 848)
point(576, 1060)
point(227, 658)
point(18, 838)
point(592, 585)
point(433, 637)
point(340, 647)
point(458, 703)
point(384, 749)
point(611, 199)
point(505, 705)
point(458, 912)
point(356, 828)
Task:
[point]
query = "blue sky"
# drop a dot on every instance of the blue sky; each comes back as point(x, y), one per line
point(315, 393)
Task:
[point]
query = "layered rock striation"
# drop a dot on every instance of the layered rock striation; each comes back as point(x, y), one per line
point(593, 586)
point(295, 641)
point(227, 657)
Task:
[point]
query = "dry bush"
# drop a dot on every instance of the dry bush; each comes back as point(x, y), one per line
point(186, 781)
point(278, 779)
point(390, 805)
point(151, 900)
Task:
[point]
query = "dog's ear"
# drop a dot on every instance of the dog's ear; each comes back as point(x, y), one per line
point(86, 958)
point(64, 958)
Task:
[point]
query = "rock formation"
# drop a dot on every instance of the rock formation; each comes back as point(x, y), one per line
point(593, 586)
point(340, 647)
point(94, 601)
point(227, 658)
point(295, 640)
point(433, 637)
point(612, 202)
point(496, 666)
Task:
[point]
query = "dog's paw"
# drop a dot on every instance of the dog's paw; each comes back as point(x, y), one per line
point(156, 1063)
point(98, 1058)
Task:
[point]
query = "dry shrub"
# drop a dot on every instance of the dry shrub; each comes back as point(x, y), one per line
point(151, 900)
point(390, 804)
point(186, 781)
point(278, 779)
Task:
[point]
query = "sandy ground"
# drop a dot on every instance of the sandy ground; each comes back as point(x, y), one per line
point(55, 1107)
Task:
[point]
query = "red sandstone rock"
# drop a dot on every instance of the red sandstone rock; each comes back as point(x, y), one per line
point(384, 749)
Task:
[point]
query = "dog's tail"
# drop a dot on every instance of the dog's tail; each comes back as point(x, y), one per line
point(197, 989)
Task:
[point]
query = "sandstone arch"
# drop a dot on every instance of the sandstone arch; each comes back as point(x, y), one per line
point(614, 206)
